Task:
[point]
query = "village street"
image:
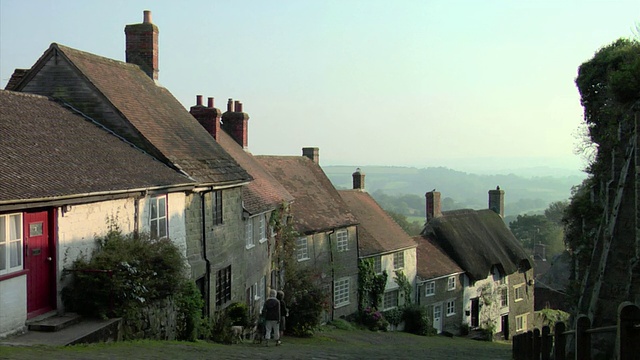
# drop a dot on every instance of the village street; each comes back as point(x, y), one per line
point(329, 344)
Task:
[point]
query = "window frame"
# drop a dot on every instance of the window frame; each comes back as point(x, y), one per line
point(223, 286)
point(521, 322)
point(393, 298)
point(451, 307)
point(377, 264)
point(299, 249)
point(248, 234)
point(398, 260)
point(342, 240)
point(262, 228)
point(216, 207)
point(430, 288)
point(504, 297)
point(341, 291)
point(8, 241)
point(451, 283)
point(154, 230)
point(518, 292)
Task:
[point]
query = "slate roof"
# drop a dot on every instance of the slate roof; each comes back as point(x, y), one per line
point(156, 115)
point(47, 151)
point(432, 261)
point(317, 206)
point(378, 233)
point(477, 240)
point(264, 193)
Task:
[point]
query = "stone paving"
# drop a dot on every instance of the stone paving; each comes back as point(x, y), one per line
point(334, 344)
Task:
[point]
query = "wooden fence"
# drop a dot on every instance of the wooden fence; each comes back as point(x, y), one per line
point(541, 344)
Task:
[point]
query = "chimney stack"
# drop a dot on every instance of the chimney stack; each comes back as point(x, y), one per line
point(433, 205)
point(207, 116)
point(358, 180)
point(142, 45)
point(236, 123)
point(312, 153)
point(496, 201)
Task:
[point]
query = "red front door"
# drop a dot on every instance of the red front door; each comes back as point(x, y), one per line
point(39, 262)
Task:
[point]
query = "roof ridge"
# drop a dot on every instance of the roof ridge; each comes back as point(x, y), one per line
point(23, 94)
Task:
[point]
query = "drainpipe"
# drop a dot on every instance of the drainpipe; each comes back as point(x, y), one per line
point(207, 276)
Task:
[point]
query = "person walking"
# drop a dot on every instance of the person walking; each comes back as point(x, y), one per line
point(271, 312)
point(284, 312)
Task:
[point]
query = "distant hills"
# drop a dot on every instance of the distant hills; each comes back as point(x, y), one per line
point(526, 193)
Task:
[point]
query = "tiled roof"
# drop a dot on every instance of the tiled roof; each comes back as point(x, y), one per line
point(477, 240)
point(264, 192)
point(377, 232)
point(47, 151)
point(432, 261)
point(156, 116)
point(317, 205)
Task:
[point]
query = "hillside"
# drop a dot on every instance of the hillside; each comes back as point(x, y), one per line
point(523, 194)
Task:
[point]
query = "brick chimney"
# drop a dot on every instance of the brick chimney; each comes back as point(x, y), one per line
point(358, 180)
point(496, 201)
point(312, 153)
point(142, 45)
point(236, 123)
point(433, 205)
point(208, 116)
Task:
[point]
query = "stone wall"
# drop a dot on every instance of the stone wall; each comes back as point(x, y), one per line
point(157, 321)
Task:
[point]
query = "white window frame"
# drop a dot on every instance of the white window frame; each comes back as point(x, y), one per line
point(11, 239)
point(451, 283)
point(248, 233)
point(262, 228)
point(430, 288)
point(341, 292)
point(398, 260)
point(521, 322)
point(377, 264)
point(390, 300)
point(504, 297)
point(342, 240)
point(451, 307)
point(161, 215)
point(518, 291)
point(302, 248)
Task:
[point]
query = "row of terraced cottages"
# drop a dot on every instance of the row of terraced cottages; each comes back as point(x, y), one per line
point(89, 143)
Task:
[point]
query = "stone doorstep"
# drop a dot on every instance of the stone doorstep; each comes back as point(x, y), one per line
point(85, 331)
point(53, 323)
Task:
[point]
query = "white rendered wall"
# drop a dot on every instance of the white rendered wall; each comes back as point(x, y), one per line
point(488, 292)
point(409, 269)
point(13, 305)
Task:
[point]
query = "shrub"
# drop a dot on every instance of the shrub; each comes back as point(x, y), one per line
point(305, 300)
point(393, 316)
point(342, 324)
point(373, 319)
point(190, 304)
point(238, 314)
point(417, 320)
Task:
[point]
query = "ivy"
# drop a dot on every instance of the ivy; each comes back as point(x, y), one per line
point(370, 285)
point(404, 284)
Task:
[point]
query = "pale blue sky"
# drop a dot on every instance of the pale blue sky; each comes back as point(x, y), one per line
point(471, 85)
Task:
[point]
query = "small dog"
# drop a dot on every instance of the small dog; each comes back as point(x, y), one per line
point(238, 333)
point(258, 333)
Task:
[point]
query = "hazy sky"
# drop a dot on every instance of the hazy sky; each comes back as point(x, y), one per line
point(468, 85)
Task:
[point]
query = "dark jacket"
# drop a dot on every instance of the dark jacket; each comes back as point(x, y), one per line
point(271, 309)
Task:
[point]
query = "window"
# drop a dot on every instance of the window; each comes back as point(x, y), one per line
point(451, 283)
point(158, 217)
point(398, 260)
point(343, 240)
point(248, 233)
point(217, 206)
point(430, 288)
point(262, 228)
point(262, 288)
point(223, 286)
point(341, 292)
point(10, 243)
point(302, 249)
point(451, 307)
point(521, 322)
point(390, 299)
point(519, 292)
point(377, 264)
point(504, 297)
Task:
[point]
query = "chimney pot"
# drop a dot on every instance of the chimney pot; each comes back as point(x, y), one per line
point(198, 100)
point(312, 153)
point(230, 105)
point(210, 102)
point(146, 17)
point(238, 106)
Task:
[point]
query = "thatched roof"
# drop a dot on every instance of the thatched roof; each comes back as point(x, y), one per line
point(478, 240)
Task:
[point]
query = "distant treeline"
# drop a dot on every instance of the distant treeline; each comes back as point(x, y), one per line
point(402, 189)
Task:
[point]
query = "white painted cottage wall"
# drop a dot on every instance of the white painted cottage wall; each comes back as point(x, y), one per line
point(487, 290)
point(13, 305)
